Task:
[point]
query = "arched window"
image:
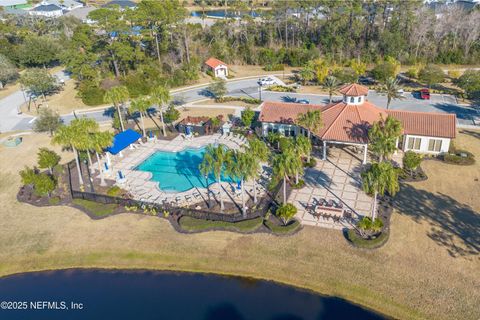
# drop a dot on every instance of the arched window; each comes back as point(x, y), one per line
point(352, 100)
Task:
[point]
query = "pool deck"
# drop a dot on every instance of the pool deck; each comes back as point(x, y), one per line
point(139, 183)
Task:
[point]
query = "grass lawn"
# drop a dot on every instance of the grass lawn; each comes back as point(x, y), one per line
point(416, 275)
point(192, 224)
point(95, 208)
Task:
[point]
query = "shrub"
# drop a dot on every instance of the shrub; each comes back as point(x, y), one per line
point(279, 88)
point(454, 74)
point(114, 191)
point(286, 212)
point(470, 82)
point(431, 75)
point(136, 85)
point(210, 73)
point(27, 175)
point(411, 161)
point(48, 120)
point(242, 99)
point(460, 157)
point(247, 116)
point(171, 114)
point(369, 228)
point(345, 75)
point(47, 159)
point(413, 72)
point(310, 164)
point(43, 184)
point(299, 185)
point(91, 94)
point(54, 201)
point(274, 67)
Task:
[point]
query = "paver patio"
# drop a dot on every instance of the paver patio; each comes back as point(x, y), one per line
point(337, 178)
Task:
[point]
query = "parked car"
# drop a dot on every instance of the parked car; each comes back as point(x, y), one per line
point(366, 80)
point(303, 101)
point(266, 81)
point(425, 94)
point(401, 92)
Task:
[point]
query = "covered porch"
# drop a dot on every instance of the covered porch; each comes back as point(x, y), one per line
point(361, 148)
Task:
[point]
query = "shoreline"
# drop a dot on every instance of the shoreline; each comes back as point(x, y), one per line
point(350, 299)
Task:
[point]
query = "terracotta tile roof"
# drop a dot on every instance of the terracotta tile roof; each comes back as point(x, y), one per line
point(194, 120)
point(350, 123)
point(213, 62)
point(284, 112)
point(426, 124)
point(354, 90)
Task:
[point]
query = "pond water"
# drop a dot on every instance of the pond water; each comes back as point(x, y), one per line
point(221, 14)
point(102, 294)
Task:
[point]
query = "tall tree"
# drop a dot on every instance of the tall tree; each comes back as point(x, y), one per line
point(383, 136)
point(258, 151)
point(380, 178)
point(283, 167)
point(117, 96)
point(69, 137)
point(161, 97)
point(38, 81)
point(331, 83)
point(101, 141)
point(141, 105)
point(240, 165)
point(392, 90)
point(214, 161)
point(48, 120)
point(47, 159)
point(8, 71)
point(312, 121)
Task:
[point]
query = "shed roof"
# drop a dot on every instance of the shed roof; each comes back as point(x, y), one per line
point(213, 62)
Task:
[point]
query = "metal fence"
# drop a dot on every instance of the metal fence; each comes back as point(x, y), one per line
point(262, 207)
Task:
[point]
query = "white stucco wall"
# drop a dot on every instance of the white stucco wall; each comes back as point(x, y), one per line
point(218, 70)
point(280, 127)
point(424, 144)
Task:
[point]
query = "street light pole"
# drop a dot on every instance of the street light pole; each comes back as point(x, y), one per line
point(260, 89)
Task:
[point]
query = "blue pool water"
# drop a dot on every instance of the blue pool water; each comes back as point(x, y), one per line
point(177, 171)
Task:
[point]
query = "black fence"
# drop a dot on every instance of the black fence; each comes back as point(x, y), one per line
point(265, 204)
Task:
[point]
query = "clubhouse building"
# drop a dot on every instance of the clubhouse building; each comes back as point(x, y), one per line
point(347, 123)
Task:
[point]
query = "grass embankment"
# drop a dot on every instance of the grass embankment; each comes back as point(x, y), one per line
point(416, 275)
point(192, 224)
point(283, 229)
point(94, 208)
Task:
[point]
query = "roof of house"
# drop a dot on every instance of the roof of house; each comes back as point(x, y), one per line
point(426, 123)
point(7, 3)
point(350, 123)
point(46, 8)
point(213, 62)
point(199, 121)
point(121, 3)
point(354, 90)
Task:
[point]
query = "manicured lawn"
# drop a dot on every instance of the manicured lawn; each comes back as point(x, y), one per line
point(192, 224)
point(95, 208)
point(416, 275)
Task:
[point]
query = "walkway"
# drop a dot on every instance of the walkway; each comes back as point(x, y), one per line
point(336, 179)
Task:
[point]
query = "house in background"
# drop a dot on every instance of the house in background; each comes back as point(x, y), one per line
point(217, 67)
point(45, 9)
point(347, 123)
point(14, 4)
point(123, 4)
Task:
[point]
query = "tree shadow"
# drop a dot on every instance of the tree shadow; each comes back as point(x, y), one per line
point(453, 225)
point(358, 131)
point(475, 134)
point(463, 113)
point(109, 112)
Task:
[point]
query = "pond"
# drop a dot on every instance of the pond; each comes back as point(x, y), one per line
point(220, 14)
point(102, 294)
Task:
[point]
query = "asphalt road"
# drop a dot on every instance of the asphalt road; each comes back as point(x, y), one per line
point(10, 121)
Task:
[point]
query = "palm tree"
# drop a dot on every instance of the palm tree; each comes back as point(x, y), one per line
point(391, 89)
point(141, 105)
point(86, 127)
point(282, 169)
point(258, 151)
point(383, 136)
point(214, 161)
point(331, 83)
point(381, 177)
point(240, 165)
point(295, 165)
point(101, 140)
point(117, 96)
point(303, 147)
point(161, 96)
point(312, 121)
point(67, 136)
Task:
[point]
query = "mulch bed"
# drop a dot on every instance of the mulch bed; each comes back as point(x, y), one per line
point(415, 176)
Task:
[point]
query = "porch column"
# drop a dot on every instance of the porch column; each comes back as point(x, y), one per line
point(108, 158)
point(365, 154)
point(396, 146)
point(324, 150)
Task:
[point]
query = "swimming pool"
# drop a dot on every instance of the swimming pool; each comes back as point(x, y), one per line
point(177, 171)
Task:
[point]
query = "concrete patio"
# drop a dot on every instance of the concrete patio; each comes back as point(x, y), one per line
point(337, 178)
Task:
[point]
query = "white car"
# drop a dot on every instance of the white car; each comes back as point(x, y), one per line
point(401, 92)
point(266, 81)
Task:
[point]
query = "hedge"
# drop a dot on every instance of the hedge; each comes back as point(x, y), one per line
point(456, 158)
point(243, 99)
point(357, 241)
point(291, 227)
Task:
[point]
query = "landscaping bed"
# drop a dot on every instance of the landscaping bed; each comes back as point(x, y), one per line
point(280, 229)
point(95, 209)
point(356, 240)
point(190, 224)
point(459, 157)
point(412, 176)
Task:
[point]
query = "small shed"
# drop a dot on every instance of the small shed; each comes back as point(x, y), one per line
point(218, 67)
point(197, 125)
